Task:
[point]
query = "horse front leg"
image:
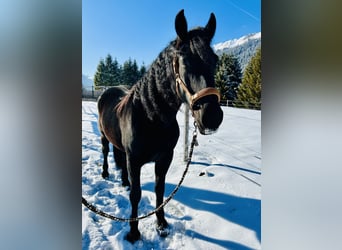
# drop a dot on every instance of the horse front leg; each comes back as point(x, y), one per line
point(134, 196)
point(161, 167)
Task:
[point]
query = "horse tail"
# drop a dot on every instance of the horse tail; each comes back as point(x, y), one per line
point(120, 106)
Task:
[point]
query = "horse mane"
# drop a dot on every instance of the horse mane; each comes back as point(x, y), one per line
point(199, 41)
point(154, 92)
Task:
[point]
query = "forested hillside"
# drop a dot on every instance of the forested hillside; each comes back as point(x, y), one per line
point(242, 48)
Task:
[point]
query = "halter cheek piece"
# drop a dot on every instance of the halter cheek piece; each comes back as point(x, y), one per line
point(193, 98)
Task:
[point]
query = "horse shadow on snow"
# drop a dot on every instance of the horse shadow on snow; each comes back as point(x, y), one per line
point(239, 210)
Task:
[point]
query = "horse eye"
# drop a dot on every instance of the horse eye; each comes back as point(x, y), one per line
point(196, 106)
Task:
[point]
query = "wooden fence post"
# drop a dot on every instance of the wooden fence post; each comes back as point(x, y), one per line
point(186, 132)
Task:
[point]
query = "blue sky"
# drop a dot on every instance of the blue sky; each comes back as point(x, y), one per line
point(140, 29)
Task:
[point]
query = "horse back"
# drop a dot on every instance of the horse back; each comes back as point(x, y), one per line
point(108, 120)
point(111, 97)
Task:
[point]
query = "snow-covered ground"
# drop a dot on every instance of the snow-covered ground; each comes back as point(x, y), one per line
point(218, 210)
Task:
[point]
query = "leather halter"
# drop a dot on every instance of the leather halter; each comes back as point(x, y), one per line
point(193, 98)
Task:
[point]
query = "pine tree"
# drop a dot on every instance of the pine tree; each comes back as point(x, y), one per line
point(130, 72)
point(115, 72)
point(99, 78)
point(126, 72)
point(228, 77)
point(142, 70)
point(135, 72)
point(109, 68)
point(249, 92)
point(110, 73)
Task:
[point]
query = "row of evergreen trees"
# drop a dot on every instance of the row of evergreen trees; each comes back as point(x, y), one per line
point(110, 73)
point(236, 88)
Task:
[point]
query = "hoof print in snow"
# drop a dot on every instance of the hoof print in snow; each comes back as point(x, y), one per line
point(206, 173)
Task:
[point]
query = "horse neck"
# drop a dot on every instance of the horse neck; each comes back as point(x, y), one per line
point(156, 90)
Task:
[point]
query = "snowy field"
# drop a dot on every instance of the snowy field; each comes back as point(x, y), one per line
point(218, 210)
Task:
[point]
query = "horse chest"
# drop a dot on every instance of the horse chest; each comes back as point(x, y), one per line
point(152, 141)
point(165, 140)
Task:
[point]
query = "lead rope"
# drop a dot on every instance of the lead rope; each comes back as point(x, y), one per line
point(194, 142)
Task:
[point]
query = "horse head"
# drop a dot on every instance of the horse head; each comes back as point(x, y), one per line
point(194, 65)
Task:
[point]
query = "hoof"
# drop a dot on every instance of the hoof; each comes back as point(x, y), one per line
point(105, 175)
point(132, 237)
point(163, 230)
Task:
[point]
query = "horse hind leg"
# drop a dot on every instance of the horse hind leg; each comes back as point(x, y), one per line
point(105, 151)
point(120, 160)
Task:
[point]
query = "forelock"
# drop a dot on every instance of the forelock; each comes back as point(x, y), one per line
point(200, 45)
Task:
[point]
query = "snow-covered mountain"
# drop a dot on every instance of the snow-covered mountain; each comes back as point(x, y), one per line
point(236, 42)
point(87, 82)
point(242, 48)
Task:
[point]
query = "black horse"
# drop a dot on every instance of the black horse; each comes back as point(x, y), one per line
point(141, 122)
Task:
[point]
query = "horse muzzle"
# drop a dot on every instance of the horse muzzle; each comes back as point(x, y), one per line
point(205, 108)
point(207, 114)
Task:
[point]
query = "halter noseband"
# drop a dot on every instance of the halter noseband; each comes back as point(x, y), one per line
point(193, 98)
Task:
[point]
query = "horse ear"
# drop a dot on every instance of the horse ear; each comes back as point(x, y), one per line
point(181, 26)
point(211, 26)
